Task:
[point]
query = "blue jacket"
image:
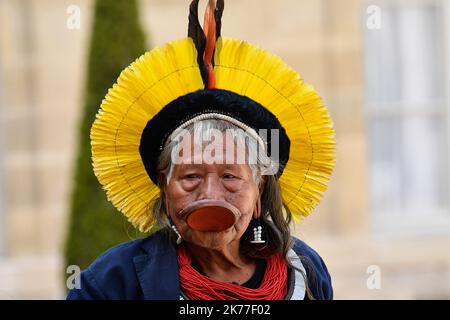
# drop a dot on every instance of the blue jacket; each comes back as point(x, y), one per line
point(147, 269)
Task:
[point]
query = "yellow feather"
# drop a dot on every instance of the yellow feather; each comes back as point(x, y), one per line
point(250, 71)
point(142, 90)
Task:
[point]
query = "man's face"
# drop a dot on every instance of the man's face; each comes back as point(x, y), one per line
point(196, 180)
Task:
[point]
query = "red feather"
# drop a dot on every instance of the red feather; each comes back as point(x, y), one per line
point(209, 27)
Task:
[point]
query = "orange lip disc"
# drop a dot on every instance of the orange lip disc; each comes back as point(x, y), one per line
point(211, 219)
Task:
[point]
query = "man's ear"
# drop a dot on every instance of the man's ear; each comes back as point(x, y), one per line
point(167, 204)
point(257, 210)
point(162, 179)
point(262, 184)
point(163, 186)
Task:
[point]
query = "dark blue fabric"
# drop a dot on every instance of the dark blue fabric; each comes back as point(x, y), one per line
point(147, 269)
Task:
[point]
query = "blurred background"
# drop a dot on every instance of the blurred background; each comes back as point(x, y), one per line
point(383, 68)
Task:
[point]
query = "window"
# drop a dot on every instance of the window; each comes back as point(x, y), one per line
point(407, 110)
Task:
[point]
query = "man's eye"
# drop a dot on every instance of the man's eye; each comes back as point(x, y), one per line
point(192, 176)
point(229, 176)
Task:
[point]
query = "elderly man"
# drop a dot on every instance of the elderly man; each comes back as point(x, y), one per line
point(182, 142)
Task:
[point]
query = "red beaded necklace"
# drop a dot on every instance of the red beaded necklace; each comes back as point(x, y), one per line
point(197, 286)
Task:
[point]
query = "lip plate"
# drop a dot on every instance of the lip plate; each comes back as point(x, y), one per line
point(211, 219)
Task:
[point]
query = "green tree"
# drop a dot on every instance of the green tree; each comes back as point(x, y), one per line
point(94, 224)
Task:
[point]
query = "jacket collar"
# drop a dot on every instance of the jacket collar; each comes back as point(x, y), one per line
point(157, 268)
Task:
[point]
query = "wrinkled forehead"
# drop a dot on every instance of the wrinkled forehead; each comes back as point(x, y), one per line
point(243, 171)
point(214, 147)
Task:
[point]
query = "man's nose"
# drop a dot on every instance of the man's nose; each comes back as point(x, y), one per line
point(210, 188)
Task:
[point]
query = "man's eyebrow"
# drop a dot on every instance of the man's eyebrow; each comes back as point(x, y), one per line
point(232, 166)
point(187, 165)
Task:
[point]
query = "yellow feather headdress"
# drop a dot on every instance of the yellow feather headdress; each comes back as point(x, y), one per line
point(165, 74)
